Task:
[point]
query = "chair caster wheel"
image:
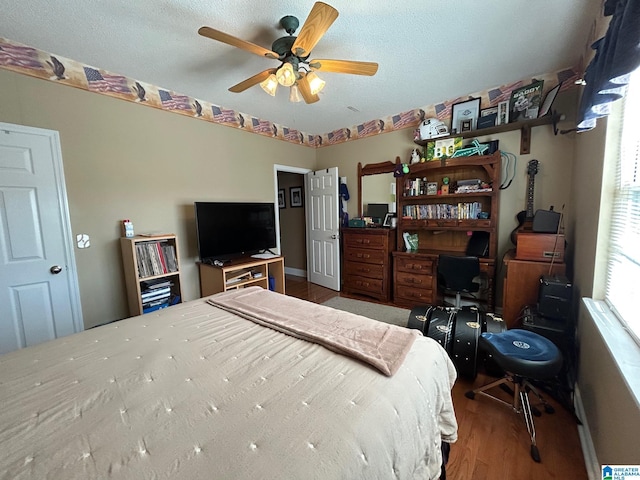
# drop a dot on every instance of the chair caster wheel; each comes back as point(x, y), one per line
point(549, 409)
point(535, 454)
point(470, 394)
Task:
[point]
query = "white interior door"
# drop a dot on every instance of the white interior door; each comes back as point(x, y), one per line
point(39, 298)
point(323, 228)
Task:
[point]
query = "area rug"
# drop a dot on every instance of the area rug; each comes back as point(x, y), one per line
point(383, 313)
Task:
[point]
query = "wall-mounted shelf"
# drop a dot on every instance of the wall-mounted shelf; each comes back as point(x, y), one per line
point(524, 127)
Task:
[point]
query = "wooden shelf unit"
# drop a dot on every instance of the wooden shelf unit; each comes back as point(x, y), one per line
point(139, 257)
point(241, 273)
point(444, 236)
point(524, 127)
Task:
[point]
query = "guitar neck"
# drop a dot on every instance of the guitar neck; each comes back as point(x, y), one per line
point(530, 190)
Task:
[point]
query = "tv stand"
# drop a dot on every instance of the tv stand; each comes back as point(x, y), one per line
point(240, 273)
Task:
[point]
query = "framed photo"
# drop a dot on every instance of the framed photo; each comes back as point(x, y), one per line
point(525, 102)
point(488, 117)
point(388, 219)
point(503, 113)
point(281, 201)
point(295, 196)
point(548, 100)
point(464, 115)
point(432, 188)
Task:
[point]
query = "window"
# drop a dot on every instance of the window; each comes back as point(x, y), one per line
point(623, 262)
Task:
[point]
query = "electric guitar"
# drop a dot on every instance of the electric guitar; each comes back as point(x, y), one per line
point(525, 217)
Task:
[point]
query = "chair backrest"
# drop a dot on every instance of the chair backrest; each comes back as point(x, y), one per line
point(456, 273)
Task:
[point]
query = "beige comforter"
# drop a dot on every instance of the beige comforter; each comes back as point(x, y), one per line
point(195, 392)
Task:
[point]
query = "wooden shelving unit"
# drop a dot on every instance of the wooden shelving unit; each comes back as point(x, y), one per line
point(524, 127)
point(241, 273)
point(415, 279)
point(150, 261)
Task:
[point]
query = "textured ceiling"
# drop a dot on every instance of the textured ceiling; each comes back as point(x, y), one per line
point(428, 50)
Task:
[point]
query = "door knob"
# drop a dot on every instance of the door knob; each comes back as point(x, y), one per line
point(56, 269)
point(334, 236)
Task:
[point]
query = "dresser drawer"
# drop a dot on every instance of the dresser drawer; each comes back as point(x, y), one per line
point(414, 280)
point(366, 241)
point(414, 265)
point(412, 295)
point(369, 270)
point(366, 255)
point(358, 284)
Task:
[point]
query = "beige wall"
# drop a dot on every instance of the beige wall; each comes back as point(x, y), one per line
point(123, 160)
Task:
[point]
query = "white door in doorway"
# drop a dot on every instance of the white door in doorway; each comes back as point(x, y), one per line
point(323, 228)
point(39, 298)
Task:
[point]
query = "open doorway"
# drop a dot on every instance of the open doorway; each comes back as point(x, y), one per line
point(291, 218)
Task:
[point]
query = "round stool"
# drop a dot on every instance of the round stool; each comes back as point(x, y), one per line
point(524, 356)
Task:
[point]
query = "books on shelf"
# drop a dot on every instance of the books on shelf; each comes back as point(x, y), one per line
point(156, 258)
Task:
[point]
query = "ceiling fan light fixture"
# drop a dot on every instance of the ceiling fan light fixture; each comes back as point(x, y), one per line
point(270, 85)
point(316, 84)
point(286, 75)
point(294, 94)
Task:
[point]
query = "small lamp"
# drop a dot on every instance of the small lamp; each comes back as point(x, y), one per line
point(316, 84)
point(294, 94)
point(270, 85)
point(286, 75)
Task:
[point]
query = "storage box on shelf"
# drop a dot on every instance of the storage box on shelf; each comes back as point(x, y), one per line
point(444, 222)
point(152, 272)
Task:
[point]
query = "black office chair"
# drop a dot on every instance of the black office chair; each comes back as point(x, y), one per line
point(456, 274)
point(524, 356)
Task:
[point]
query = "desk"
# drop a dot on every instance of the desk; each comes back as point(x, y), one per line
point(521, 285)
point(415, 279)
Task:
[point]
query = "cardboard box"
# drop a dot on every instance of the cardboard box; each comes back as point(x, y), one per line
point(540, 247)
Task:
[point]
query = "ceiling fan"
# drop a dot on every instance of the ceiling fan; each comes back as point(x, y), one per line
point(296, 70)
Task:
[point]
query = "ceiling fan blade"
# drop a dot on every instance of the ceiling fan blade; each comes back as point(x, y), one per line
point(315, 26)
point(345, 66)
point(250, 82)
point(305, 91)
point(236, 42)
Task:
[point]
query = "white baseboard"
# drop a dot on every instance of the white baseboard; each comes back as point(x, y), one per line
point(594, 470)
point(295, 271)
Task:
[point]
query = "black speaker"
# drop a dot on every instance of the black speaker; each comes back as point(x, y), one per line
point(554, 297)
point(546, 221)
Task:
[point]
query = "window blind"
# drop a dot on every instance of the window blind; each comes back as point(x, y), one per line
point(623, 263)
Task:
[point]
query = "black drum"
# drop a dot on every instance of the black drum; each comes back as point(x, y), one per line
point(492, 324)
point(419, 318)
point(441, 325)
point(464, 345)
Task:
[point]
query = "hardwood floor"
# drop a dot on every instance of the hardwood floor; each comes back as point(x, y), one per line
point(493, 442)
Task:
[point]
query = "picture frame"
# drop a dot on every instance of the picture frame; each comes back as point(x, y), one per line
point(503, 113)
point(488, 117)
point(295, 196)
point(281, 198)
point(432, 188)
point(464, 115)
point(548, 100)
point(525, 102)
point(388, 219)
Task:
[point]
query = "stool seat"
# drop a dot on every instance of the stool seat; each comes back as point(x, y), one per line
point(524, 356)
point(523, 353)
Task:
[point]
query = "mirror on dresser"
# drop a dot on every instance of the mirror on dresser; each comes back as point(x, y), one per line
point(376, 186)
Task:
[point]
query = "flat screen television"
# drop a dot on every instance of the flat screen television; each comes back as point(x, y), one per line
point(227, 230)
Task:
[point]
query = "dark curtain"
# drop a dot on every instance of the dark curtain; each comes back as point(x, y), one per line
point(617, 55)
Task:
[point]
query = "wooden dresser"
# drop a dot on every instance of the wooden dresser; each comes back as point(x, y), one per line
point(366, 268)
point(415, 279)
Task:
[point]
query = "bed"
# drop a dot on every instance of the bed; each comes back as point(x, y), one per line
point(201, 390)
